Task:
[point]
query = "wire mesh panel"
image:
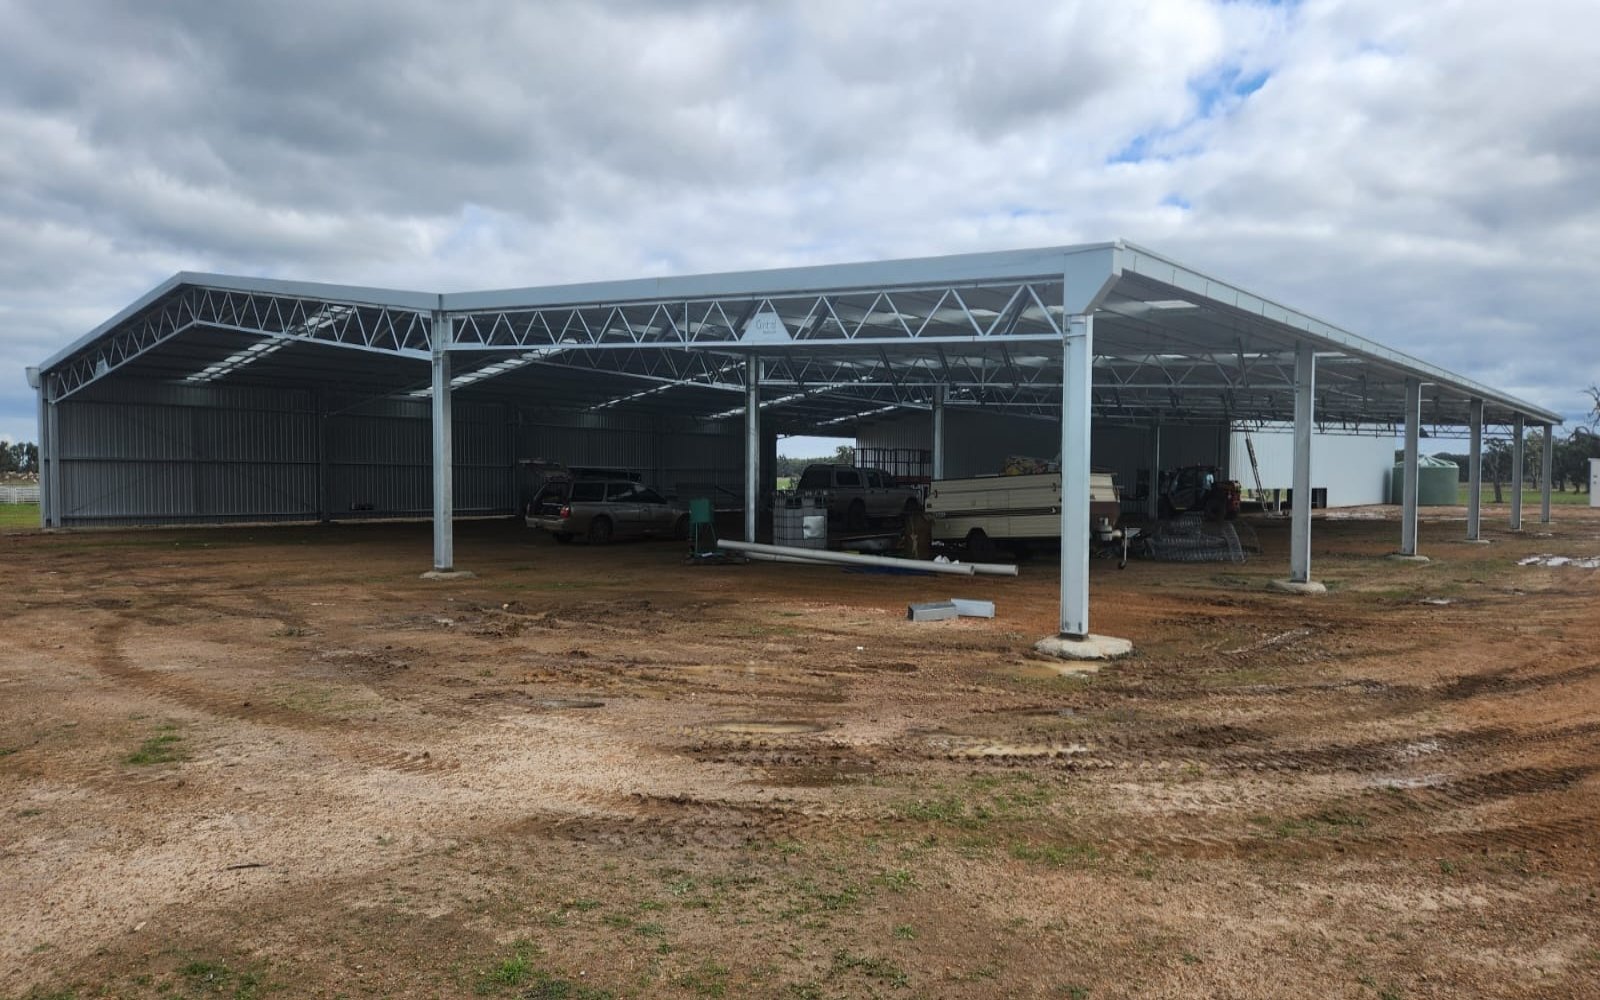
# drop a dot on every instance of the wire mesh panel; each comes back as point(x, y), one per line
point(1193, 539)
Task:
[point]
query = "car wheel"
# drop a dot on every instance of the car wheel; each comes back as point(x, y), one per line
point(563, 537)
point(600, 531)
point(855, 517)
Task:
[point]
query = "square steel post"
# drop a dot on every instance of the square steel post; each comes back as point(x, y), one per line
point(1516, 472)
point(1475, 472)
point(1305, 387)
point(752, 445)
point(1153, 499)
point(938, 432)
point(1408, 512)
point(57, 498)
point(444, 541)
point(46, 460)
point(1547, 466)
point(1076, 382)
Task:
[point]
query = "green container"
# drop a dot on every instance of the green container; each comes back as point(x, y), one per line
point(699, 511)
point(1436, 482)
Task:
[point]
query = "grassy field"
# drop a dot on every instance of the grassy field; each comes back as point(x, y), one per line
point(18, 515)
point(1529, 497)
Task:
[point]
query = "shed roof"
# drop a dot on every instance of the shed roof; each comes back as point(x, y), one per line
point(840, 343)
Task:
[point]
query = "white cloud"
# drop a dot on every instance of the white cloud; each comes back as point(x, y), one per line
point(1422, 174)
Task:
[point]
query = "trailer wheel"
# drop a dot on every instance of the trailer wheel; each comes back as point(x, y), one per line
point(979, 545)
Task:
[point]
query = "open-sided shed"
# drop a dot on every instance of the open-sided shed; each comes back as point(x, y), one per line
point(266, 388)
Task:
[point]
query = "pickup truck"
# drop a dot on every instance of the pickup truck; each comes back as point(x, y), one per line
point(858, 496)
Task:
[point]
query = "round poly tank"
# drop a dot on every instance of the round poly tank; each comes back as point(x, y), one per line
point(1437, 479)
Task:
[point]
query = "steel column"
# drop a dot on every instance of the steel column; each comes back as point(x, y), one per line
point(1547, 465)
point(1475, 472)
point(1516, 472)
point(1153, 500)
point(444, 541)
point(46, 461)
point(752, 445)
point(323, 513)
point(53, 423)
point(1077, 372)
point(1305, 386)
point(938, 431)
point(1408, 499)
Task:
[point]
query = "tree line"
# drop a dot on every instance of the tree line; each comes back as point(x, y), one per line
point(1571, 455)
point(18, 459)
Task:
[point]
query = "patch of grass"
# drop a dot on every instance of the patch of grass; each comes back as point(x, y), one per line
point(8, 751)
point(162, 748)
point(548, 987)
point(982, 802)
point(1070, 854)
point(897, 880)
point(872, 967)
point(905, 932)
point(709, 979)
point(18, 515)
point(513, 970)
point(216, 979)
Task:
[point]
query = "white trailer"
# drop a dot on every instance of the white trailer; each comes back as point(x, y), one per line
point(1012, 508)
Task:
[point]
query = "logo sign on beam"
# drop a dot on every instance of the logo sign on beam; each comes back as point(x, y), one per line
point(765, 327)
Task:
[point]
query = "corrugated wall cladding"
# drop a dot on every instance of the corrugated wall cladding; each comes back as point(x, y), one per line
point(155, 453)
point(179, 453)
point(672, 455)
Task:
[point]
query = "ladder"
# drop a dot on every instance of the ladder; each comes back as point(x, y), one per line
point(1255, 471)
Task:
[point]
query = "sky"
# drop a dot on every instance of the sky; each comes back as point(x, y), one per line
point(1423, 174)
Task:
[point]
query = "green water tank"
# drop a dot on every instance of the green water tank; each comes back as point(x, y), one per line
point(1436, 482)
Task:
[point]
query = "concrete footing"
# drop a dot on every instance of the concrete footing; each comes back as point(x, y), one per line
point(1296, 587)
point(1475, 541)
point(1403, 557)
point(449, 574)
point(1089, 647)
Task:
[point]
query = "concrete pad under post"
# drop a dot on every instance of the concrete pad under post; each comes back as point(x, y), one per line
point(1407, 557)
point(1084, 647)
point(1301, 587)
point(449, 574)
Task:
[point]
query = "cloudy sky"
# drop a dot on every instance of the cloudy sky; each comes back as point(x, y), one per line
point(1426, 174)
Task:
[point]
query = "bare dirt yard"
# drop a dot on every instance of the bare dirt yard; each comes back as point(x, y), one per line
point(252, 762)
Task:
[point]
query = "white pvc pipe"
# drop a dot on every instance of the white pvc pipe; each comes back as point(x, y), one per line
point(849, 559)
point(769, 557)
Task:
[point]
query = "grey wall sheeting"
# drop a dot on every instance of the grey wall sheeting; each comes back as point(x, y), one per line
point(157, 453)
point(673, 455)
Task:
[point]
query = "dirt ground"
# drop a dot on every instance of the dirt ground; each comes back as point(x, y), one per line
point(253, 762)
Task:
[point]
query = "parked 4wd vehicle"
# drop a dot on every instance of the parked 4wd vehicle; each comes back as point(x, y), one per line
point(603, 509)
point(859, 495)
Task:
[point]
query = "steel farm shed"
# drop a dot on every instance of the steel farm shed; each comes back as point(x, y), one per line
point(216, 398)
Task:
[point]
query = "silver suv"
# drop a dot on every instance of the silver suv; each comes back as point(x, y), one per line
point(859, 495)
point(603, 509)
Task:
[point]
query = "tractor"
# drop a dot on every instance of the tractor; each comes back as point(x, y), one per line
point(1199, 488)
